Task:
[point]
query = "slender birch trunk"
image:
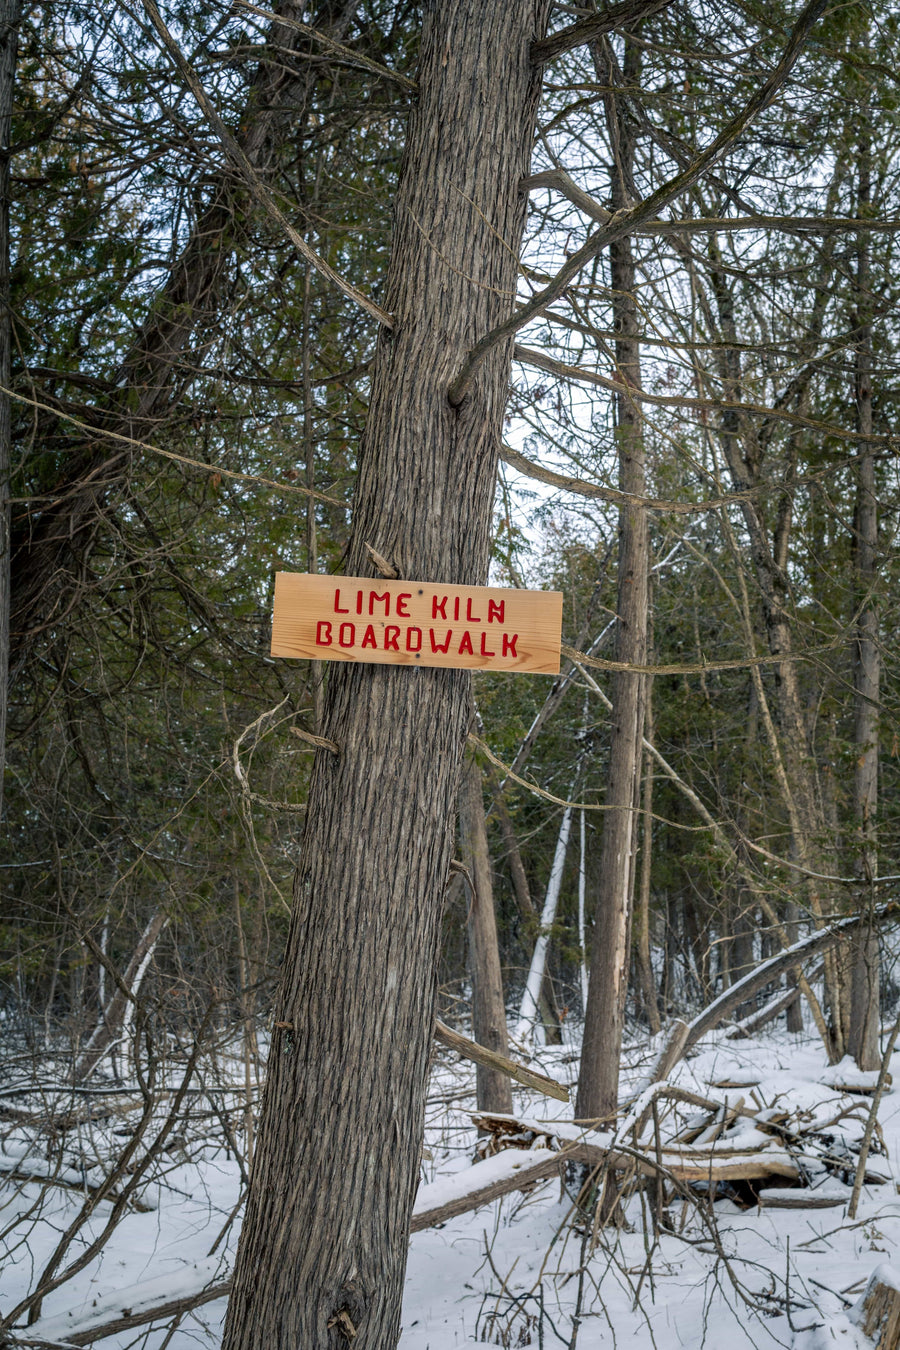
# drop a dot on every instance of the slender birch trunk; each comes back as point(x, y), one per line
point(582, 913)
point(642, 914)
point(527, 1026)
point(118, 1015)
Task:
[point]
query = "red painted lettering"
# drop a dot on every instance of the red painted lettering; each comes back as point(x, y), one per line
point(470, 617)
point(484, 650)
point(337, 603)
point(439, 609)
point(323, 633)
point(359, 602)
point(437, 646)
point(382, 599)
point(465, 645)
point(409, 639)
point(391, 634)
point(400, 605)
point(347, 628)
point(369, 637)
point(509, 644)
point(456, 608)
point(496, 611)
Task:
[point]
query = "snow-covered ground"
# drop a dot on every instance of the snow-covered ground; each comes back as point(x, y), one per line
point(516, 1272)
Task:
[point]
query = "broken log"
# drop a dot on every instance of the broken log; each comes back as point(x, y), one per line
point(479, 1054)
point(719, 1161)
point(877, 1314)
point(511, 1170)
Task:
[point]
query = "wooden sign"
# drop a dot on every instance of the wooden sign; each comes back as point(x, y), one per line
point(415, 623)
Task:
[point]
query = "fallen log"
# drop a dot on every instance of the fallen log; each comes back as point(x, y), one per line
point(798, 1197)
point(135, 1307)
point(717, 1161)
point(748, 1026)
point(684, 1035)
point(479, 1054)
point(46, 1173)
point(481, 1183)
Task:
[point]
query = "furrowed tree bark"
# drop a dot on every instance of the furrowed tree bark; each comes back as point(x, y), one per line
point(598, 1083)
point(864, 991)
point(10, 15)
point(488, 1008)
point(323, 1247)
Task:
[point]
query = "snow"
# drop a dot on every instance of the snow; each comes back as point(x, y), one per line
point(181, 1282)
point(447, 1189)
point(845, 1074)
point(885, 1274)
point(516, 1272)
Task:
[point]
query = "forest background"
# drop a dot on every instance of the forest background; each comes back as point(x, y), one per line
point(700, 418)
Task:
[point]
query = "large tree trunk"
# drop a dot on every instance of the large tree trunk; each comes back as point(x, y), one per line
point(493, 1088)
point(10, 15)
point(323, 1246)
point(864, 1009)
point(598, 1084)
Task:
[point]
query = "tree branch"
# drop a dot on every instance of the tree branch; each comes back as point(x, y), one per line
point(528, 356)
point(479, 1054)
point(623, 15)
point(802, 225)
point(336, 48)
point(257, 187)
point(627, 221)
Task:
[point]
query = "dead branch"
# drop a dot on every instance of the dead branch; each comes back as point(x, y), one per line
point(769, 1011)
point(469, 1049)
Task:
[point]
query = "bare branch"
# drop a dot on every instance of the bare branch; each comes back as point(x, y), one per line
point(256, 185)
point(623, 15)
point(627, 221)
point(479, 1054)
point(802, 225)
point(528, 356)
point(336, 48)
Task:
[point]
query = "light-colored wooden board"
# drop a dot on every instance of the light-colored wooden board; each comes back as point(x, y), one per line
point(416, 623)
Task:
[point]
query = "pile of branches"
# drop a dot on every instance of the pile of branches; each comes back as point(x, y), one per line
point(777, 1154)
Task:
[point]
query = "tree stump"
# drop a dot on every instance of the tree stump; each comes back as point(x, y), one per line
point(877, 1314)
